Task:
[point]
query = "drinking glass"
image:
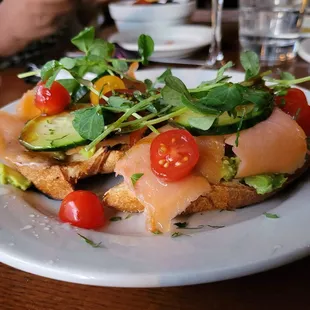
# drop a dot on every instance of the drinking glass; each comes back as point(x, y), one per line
point(215, 51)
point(271, 28)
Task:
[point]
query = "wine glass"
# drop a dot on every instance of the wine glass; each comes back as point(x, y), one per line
point(215, 51)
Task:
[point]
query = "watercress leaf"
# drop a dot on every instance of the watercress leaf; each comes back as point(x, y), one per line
point(49, 69)
point(145, 47)
point(164, 75)
point(84, 39)
point(149, 84)
point(71, 85)
point(250, 63)
point(171, 97)
point(88, 122)
point(287, 76)
point(203, 123)
point(256, 96)
point(102, 48)
point(119, 102)
point(198, 106)
point(52, 78)
point(115, 219)
point(120, 65)
point(67, 62)
point(136, 177)
point(176, 84)
point(220, 73)
point(223, 98)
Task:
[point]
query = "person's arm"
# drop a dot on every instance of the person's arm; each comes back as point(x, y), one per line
point(28, 20)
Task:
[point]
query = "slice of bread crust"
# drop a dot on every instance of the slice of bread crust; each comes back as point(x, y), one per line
point(223, 196)
point(58, 180)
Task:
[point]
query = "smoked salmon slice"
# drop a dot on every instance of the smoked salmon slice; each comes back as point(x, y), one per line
point(212, 151)
point(162, 201)
point(276, 145)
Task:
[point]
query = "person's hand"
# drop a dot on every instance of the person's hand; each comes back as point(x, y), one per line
point(28, 20)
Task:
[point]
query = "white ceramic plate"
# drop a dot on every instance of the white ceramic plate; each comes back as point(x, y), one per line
point(304, 50)
point(32, 239)
point(177, 41)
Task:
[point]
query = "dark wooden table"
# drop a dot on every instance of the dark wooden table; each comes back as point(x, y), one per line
point(284, 288)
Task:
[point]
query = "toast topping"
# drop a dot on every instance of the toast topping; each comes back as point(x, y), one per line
point(162, 201)
point(277, 145)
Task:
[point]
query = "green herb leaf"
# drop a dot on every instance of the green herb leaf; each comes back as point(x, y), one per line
point(271, 215)
point(181, 224)
point(149, 84)
point(250, 63)
point(171, 97)
point(220, 74)
point(145, 47)
point(90, 242)
point(287, 76)
point(184, 225)
point(71, 85)
point(256, 96)
point(157, 232)
point(52, 78)
point(115, 219)
point(164, 75)
point(199, 106)
point(203, 123)
point(128, 216)
point(176, 84)
point(120, 65)
point(68, 63)
point(89, 122)
point(84, 39)
point(136, 177)
point(223, 98)
point(177, 234)
point(216, 226)
point(49, 69)
point(102, 48)
point(119, 102)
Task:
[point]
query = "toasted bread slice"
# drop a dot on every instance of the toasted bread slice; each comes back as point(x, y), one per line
point(58, 179)
point(223, 196)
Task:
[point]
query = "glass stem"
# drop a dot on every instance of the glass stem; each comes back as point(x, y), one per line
point(215, 51)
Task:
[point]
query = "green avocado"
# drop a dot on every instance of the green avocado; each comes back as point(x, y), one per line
point(13, 177)
point(265, 183)
point(229, 167)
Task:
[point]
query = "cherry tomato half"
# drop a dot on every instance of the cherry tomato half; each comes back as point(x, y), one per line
point(53, 100)
point(82, 209)
point(106, 84)
point(295, 104)
point(174, 154)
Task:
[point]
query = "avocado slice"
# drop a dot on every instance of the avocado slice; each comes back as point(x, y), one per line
point(13, 177)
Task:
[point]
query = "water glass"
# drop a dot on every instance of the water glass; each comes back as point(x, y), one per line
point(271, 28)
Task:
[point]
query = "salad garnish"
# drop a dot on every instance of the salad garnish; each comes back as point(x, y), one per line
point(115, 219)
point(136, 177)
point(215, 107)
point(271, 215)
point(90, 242)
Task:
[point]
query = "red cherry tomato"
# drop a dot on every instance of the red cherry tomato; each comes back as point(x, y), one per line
point(136, 135)
point(174, 154)
point(82, 209)
point(51, 101)
point(295, 104)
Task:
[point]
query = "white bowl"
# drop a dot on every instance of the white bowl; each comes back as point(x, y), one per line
point(141, 18)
